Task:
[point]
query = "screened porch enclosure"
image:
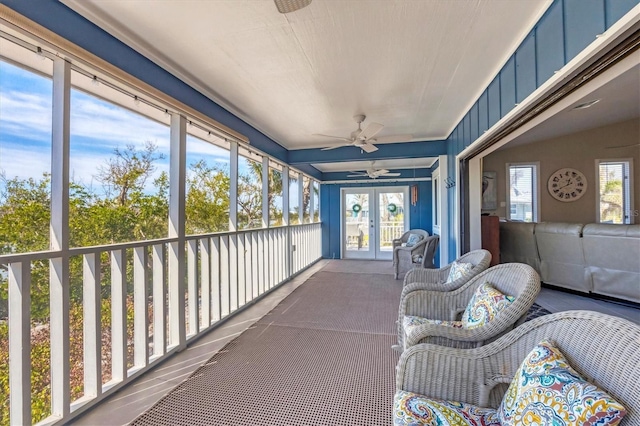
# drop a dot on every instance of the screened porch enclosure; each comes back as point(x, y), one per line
point(120, 271)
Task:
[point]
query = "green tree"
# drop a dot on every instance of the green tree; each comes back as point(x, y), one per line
point(207, 203)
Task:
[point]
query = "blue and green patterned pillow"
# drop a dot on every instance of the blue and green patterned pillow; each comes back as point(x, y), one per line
point(547, 391)
point(414, 409)
point(458, 270)
point(485, 304)
point(413, 240)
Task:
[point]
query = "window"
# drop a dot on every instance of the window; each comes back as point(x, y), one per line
point(613, 191)
point(522, 192)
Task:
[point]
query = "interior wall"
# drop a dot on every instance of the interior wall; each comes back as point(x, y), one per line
point(420, 215)
point(578, 151)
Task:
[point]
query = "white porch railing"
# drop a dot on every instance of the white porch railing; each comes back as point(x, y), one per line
point(222, 273)
point(390, 231)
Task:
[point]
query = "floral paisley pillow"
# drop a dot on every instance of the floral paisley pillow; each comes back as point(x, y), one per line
point(411, 409)
point(458, 270)
point(484, 306)
point(547, 391)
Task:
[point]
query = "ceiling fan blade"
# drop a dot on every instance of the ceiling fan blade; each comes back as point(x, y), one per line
point(394, 138)
point(360, 175)
point(370, 131)
point(327, 148)
point(333, 137)
point(368, 147)
point(390, 174)
point(382, 171)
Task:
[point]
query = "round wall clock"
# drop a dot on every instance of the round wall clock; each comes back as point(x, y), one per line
point(567, 184)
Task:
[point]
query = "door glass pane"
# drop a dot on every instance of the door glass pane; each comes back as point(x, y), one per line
point(391, 215)
point(357, 222)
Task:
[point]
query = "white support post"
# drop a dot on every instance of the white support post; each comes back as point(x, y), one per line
point(300, 198)
point(176, 250)
point(140, 317)
point(159, 302)
point(205, 282)
point(118, 316)
point(92, 328)
point(233, 187)
point(232, 240)
point(192, 286)
point(20, 343)
point(265, 192)
point(59, 234)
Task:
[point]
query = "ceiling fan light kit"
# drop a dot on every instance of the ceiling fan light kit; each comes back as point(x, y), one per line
point(364, 138)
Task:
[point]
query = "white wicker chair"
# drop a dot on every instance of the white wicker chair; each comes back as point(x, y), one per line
point(434, 279)
point(603, 349)
point(514, 279)
point(403, 256)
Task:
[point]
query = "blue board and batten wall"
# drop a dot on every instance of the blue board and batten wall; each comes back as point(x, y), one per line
point(565, 30)
point(567, 27)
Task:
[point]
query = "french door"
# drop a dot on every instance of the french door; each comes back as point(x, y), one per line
point(371, 219)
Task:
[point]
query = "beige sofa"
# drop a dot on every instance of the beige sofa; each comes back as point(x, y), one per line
point(595, 258)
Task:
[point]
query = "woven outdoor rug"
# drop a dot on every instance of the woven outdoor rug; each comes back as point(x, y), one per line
point(322, 357)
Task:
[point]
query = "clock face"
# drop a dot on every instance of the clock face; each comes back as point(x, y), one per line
point(567, 184)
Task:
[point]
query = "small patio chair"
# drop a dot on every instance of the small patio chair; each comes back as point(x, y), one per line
point(437, 279)
point(604, 350)
point(412, 243)
point(427, 316)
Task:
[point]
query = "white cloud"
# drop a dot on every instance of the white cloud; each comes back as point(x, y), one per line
point(25, 114)
point(23, 162)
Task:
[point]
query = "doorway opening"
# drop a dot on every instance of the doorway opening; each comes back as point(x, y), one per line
point(371, 219)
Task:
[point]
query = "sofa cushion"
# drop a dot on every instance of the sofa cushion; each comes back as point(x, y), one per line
point(410, 322)
point(458, 270)
point(547, 391)
point(485, 304)
point(414, 409)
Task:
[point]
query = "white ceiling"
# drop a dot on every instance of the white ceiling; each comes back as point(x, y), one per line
point(415, 66)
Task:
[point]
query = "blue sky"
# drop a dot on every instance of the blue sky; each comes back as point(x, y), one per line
point(97, 128)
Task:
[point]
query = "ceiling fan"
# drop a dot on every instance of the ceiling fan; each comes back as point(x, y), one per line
point(373, 173)
point(364, 138)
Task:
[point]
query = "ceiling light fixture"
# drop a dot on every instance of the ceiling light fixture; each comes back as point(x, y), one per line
point(288, 6)
point(587, 104)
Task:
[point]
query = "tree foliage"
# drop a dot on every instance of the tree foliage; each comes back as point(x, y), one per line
point(128, 209)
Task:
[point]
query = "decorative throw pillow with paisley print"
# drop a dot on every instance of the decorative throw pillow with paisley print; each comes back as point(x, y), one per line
point(458, 270)
point(547, 391)
point(484, 306)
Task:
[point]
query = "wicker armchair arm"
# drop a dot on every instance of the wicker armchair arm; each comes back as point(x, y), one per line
point(428, 333)
point(421, 275)
point(441, 373)
point(436, 305)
